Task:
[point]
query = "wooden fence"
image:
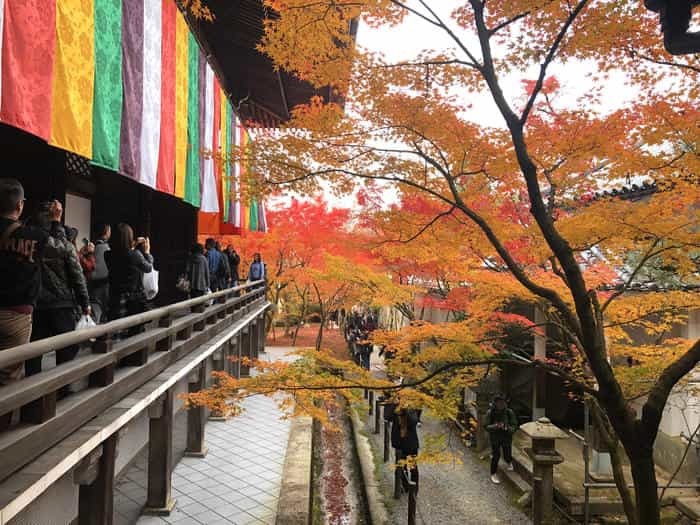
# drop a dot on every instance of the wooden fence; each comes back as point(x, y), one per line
point(68, 417)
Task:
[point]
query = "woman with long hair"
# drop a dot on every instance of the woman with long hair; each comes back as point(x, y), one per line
point(127, 261)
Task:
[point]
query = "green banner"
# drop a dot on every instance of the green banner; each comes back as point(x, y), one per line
point(192, 194)
point(108, 91)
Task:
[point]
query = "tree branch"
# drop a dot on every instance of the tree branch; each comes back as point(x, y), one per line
point(654, 406)
point(548, 59)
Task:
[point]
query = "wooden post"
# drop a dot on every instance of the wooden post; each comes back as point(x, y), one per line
point(166, 343)
point(160, 457)
point(262, 333)
point(196, 415)
point(370, 401)
point(103, 376)
point(254, 339)
point(397, 475)
point(137, 358)
point(96, 480)
point(387, 440)
point(40, 410)
point(221, 314)
point(236, 354)
point(377, 411)
point(245, 351)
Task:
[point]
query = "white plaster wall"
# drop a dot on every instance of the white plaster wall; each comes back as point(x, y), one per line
point(78, 215)
point(682, 411)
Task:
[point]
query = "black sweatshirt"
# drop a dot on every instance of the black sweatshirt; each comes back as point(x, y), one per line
point(20, 263)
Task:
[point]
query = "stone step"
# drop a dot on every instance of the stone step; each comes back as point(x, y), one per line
point(515, 479)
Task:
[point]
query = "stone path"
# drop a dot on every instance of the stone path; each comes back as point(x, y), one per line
point(238, 482)
point(449, 494)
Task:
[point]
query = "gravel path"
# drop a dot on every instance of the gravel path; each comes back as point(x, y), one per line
point(453, 494)
point(459, 494)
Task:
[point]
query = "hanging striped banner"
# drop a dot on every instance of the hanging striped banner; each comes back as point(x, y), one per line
point(150, 121)
point(107, 106)
point(192, 178)
point(73, 77)
point(181, 118)
point(234, 216)
point(28, 47)
point(210, 203)
point(124, 84)
point(226, 188)
point(132, 71)
point(253, 215)
point(238, 177)
point(166, 154)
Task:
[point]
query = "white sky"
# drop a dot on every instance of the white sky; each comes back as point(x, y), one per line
point(414, 35)
point(407, 40)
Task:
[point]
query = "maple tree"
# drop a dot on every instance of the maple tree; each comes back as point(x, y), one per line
point(301, 230)
point(314, 259)
point(509, 210)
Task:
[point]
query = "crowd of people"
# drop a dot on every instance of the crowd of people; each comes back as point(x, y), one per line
point(210, 269)
point(48, 283)
point(358, 329)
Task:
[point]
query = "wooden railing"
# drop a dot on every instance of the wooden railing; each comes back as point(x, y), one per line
point(113, 368)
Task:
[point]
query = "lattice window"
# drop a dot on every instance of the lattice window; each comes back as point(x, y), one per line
point(78, 166)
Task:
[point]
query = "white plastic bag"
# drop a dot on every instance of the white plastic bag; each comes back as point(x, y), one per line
point(150, 284)
point(84, 322)
point(210, 301)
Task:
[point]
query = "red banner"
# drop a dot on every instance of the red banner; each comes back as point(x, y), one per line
point(28, 48)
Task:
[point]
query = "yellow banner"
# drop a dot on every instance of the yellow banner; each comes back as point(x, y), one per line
point(181, 42)
point(74, 77)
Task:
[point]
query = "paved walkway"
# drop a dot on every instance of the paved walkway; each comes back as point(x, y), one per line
point(449, 494)
point(238, 482)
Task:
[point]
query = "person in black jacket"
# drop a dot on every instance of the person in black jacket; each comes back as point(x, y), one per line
point(198, 272)
point(63, 295)
point(21, 250)
point(404, 436)
point(501, 423)
point(127, 261)
point(234, 261)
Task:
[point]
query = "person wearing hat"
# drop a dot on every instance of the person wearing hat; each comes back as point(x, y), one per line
point(501, 424)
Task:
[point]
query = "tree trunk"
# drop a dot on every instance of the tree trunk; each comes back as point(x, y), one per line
point(302, 316)
point(613, 445)
point(621, 482)
point(319, 336)
point(296, 333)
point(646, 488)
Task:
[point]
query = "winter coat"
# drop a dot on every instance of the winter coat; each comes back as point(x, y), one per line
point(101, 272)
point(256, 272)
point(501, 424)
point(20, 262)
point(198, 273)
point(234, 260)
point(63, 283)
point(404, 431)
point(87, 263)
point(126, 274)
point(218, 265)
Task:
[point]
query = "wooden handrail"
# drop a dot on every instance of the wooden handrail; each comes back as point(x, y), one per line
point(114, 371)
point(38, 348)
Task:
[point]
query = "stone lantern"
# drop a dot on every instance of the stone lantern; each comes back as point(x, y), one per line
point(544, 456)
